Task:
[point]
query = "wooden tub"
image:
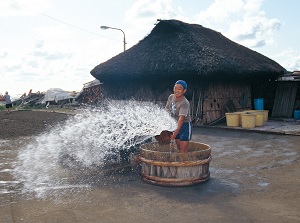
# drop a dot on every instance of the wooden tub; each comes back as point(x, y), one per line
point(161, 164)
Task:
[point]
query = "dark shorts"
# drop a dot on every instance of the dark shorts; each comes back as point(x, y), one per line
point(185, 133)
point(8, 105)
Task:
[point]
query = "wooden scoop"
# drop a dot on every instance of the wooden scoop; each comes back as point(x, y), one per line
point(164, 136)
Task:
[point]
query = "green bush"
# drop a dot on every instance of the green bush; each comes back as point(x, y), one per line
point(34, 107)
point(2, 108)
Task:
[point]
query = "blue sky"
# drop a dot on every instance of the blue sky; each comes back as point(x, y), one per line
point(55, 43)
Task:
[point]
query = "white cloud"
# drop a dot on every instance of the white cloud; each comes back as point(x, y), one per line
point(24, 7)
point(55, 59)
point(55, 33)
point(291, 61)
point(219, 12)
point(143, 14)
point(242, 21)
point(144, 11)
point(254, 30)
point(3, 54)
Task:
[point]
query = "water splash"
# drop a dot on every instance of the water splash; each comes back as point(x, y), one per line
point(89, 137)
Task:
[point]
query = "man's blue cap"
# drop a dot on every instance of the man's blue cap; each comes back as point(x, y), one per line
point(183, 83)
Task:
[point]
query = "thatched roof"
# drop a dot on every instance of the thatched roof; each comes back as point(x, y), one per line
point(175, 49)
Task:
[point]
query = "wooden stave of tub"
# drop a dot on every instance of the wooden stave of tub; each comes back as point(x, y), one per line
point(167, 167)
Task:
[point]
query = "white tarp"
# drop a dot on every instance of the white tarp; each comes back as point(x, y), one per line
point(56, 94)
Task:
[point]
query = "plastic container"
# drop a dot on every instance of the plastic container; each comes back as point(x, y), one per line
point(297, 114)
point(266, 113)
point(259, 104)
point(259, 119)
point(240, 117)
point(248, 120)
point(232, 119)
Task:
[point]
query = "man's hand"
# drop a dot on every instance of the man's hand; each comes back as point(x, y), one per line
point(173, 136)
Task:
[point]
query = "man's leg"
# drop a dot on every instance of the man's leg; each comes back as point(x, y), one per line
point(184, 145)
point(178, 143)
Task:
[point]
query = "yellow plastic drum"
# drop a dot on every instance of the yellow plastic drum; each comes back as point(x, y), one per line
point(248, 120)
point(259, 120)
point(266, 114)
point(232, 119)
point(240, 117)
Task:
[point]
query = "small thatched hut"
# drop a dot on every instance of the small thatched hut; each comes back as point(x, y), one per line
point(219, 72)
point(91, 93)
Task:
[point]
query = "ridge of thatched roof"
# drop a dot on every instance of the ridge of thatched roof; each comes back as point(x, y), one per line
point(175, 49)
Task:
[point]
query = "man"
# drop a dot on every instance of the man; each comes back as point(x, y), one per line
point(8, 103)
point(179, 107)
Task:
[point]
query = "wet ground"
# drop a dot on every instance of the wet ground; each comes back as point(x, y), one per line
point(255, 177)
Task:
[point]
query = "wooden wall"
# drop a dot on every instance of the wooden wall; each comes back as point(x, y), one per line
point(215, 99)
point(285, 99)
point(208, 100)
point(92, 95)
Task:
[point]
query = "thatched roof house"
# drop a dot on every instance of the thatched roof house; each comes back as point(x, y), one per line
point(177, 50)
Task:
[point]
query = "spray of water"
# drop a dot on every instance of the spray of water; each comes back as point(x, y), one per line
point(90, 137)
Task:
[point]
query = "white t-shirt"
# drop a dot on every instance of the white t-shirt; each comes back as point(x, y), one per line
point(177, 108)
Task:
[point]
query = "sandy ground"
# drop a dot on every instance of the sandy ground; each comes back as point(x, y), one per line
point(255, 177)
point(26, 123)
